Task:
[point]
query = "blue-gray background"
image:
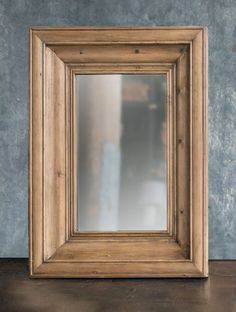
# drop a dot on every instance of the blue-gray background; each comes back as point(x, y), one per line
point(16, 16)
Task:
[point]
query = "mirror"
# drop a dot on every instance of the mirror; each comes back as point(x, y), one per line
point(121, 163)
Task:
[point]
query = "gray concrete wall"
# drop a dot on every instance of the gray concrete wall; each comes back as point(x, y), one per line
point(15, 18)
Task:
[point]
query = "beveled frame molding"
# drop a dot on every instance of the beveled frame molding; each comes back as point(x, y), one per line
point(56, 56)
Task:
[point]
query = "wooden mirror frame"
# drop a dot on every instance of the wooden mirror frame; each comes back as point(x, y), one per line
point(56, 56)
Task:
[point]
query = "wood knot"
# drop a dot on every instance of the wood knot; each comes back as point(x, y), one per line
point(60, 174)
point(179, 91)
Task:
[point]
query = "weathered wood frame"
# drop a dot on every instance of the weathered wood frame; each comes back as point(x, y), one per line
point(56, 56)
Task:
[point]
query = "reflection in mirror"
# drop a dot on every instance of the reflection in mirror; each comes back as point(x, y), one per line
point(121, 165)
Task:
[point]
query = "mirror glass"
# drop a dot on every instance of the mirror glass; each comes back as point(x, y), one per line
point(121, 152)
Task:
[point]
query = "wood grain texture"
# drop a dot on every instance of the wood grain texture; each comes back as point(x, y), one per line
point(119, 250)
point(109, 35)
point(199, 152)
point(54, 154)
point(36, 154)
point(129, 53)
point(55, 249)
point(182, 151)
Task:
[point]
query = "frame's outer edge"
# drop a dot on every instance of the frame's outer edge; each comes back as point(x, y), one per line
point(205, 117)
point(199, 153)
point(30, 153)
point(205, 146)
point(93, 35)
point(36, 153)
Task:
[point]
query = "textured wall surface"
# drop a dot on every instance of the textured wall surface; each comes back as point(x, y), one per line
point(16, 16)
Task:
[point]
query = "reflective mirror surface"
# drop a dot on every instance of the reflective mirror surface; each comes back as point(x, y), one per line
point(121, 157)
